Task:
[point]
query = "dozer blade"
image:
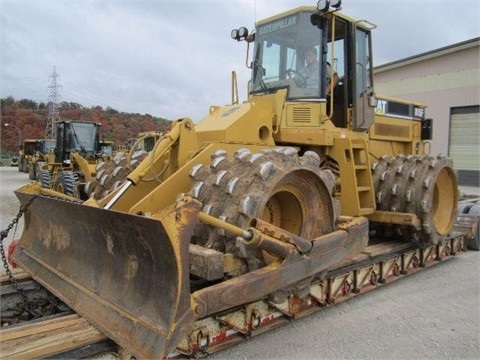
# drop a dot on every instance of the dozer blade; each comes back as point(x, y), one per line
point(127, 275)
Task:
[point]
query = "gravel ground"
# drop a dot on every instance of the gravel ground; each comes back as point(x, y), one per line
point(434, 314)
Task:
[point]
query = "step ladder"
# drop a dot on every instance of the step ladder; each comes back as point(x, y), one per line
point(356, 182)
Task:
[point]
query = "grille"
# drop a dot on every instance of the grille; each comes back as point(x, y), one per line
point(302, 115)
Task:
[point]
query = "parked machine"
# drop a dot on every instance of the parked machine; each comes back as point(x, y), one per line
point(25, 154)
point(43, 151)
point(234, 221)
point(73, 160)
point(111, 174)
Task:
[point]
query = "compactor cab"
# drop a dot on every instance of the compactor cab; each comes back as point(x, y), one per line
point(251, 205)
point(322, 58)
point(106, 149)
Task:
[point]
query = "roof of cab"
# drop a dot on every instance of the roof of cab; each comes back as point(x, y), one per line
point(311, 9)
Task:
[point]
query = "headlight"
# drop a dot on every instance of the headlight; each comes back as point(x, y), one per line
point(335, 3)
point(322, 5)
point(243, 32)
point(239, 34)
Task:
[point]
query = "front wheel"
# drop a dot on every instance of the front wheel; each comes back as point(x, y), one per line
point(45, 178)
point(275, 185)
point(31, 171)
point(67, 183)
point(38, 169)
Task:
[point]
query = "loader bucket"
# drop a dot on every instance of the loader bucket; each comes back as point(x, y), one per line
point(128, 275)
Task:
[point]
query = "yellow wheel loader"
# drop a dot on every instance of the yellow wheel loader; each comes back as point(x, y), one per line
point(234, 221)
point(42, 152)
point(25, 154)
point(72, 162)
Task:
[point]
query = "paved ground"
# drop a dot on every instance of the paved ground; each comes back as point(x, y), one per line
point(10, 179)
point(433, 314)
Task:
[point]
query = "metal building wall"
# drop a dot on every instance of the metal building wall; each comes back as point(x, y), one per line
point(442, 79)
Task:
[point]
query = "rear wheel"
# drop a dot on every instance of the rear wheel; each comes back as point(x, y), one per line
point(31, 171)
point(420, 185)
point(277, 186)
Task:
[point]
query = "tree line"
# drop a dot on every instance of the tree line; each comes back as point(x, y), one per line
point(27, 119)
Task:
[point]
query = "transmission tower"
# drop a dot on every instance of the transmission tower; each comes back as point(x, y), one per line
point(53, 110)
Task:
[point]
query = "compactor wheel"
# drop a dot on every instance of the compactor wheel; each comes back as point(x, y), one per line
point(112, 174)
point(421, 185)
point(67, 183)
point(275, 185)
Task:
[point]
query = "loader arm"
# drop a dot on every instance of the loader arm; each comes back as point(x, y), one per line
point(166, 157)
point(83, 166)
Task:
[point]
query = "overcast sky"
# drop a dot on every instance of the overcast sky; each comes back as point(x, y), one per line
point(174, 58)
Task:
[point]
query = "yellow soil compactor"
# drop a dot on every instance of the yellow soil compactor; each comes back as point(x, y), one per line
point(237, 220)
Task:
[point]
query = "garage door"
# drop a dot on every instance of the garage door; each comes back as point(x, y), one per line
point(464, 144)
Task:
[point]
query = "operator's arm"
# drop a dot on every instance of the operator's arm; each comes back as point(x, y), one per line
point(334, 79)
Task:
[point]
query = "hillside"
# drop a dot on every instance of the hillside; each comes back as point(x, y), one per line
point(27, 119)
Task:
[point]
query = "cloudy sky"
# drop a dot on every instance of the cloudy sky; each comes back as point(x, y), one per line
point(174, 58)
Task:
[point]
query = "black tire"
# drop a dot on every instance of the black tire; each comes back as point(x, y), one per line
point(420, 185)
point(474, 243)
point(278, 186)
point(38, 169)
point(67, 183)
point(31, 171)
point(45, 179)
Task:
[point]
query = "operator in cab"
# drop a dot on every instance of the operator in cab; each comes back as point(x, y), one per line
point(311, 72)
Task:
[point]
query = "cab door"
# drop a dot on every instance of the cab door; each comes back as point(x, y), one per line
point(363, 95)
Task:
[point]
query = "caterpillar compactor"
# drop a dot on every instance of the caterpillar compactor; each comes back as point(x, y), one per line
point(235, 220)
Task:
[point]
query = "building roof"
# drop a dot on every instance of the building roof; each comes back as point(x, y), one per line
point(428, 55)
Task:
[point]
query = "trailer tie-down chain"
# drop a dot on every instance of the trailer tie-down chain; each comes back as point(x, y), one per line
point(3, 235)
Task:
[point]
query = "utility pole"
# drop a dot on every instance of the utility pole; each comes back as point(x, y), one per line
point(53, 101)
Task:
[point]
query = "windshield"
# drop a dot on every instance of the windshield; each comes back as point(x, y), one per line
point(82, 137)
point(106, 149)
point(46, 146)
point(287, 54)
point(29, 148)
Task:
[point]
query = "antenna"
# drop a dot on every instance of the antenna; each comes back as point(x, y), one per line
point(53, 110)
